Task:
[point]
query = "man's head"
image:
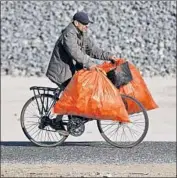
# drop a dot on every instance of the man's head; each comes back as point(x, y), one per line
point(81, 21)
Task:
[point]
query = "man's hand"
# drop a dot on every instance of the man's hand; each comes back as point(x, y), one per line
point(92, 67)
point(112, 59)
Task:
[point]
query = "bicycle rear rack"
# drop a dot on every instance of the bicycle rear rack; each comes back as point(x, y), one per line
point(42, 92)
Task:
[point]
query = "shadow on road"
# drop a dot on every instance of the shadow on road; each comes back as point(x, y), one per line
point(84, 144)
point(22, 143)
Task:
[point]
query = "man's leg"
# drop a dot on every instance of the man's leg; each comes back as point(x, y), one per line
point(57, 122)
point(64, 84)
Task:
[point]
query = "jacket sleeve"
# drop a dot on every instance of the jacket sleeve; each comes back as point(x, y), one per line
point(95, 52)
point(73, 49)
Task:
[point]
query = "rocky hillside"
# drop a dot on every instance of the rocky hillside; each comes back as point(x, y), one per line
point(144, 32)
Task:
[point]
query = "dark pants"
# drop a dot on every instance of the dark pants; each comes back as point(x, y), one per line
point(64, 84)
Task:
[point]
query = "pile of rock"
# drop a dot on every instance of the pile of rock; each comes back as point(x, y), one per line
point(143, 32)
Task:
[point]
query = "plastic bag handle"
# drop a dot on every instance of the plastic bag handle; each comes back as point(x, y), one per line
point(100, 70)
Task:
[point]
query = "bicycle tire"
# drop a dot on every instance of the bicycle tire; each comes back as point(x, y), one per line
point(25, 130)
point(142, 136)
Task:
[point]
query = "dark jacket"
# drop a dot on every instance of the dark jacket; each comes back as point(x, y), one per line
point(72, 51)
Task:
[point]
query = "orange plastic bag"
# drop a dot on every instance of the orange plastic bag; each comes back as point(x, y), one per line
point(137, 88)
point(90, 94)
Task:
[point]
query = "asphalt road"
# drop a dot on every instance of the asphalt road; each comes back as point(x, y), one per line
point(88, 152)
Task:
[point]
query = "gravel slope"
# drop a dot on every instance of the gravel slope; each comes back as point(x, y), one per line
point(141, 31)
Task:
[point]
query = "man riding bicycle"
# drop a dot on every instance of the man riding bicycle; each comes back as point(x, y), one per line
point(73, 51)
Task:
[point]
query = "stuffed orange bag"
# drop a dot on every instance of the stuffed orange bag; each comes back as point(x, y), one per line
point(90, 94)
point(135, 88)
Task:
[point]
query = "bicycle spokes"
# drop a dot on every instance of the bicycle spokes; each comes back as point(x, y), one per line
point(121, 134)
point(37, 125)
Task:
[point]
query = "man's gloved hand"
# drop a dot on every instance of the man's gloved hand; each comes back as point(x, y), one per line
point(112, 59)
point(92, 67)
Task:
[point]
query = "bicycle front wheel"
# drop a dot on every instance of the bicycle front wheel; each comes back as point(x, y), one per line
point(33, 114)
point(126, 135)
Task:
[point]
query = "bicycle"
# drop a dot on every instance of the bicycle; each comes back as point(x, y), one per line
point(44, 99)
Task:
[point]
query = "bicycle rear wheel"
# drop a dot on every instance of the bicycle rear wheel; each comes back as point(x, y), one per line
point(32, 114)
point(126, 135)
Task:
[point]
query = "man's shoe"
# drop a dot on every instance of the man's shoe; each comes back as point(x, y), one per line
point(58, 126)
point(63, 132)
